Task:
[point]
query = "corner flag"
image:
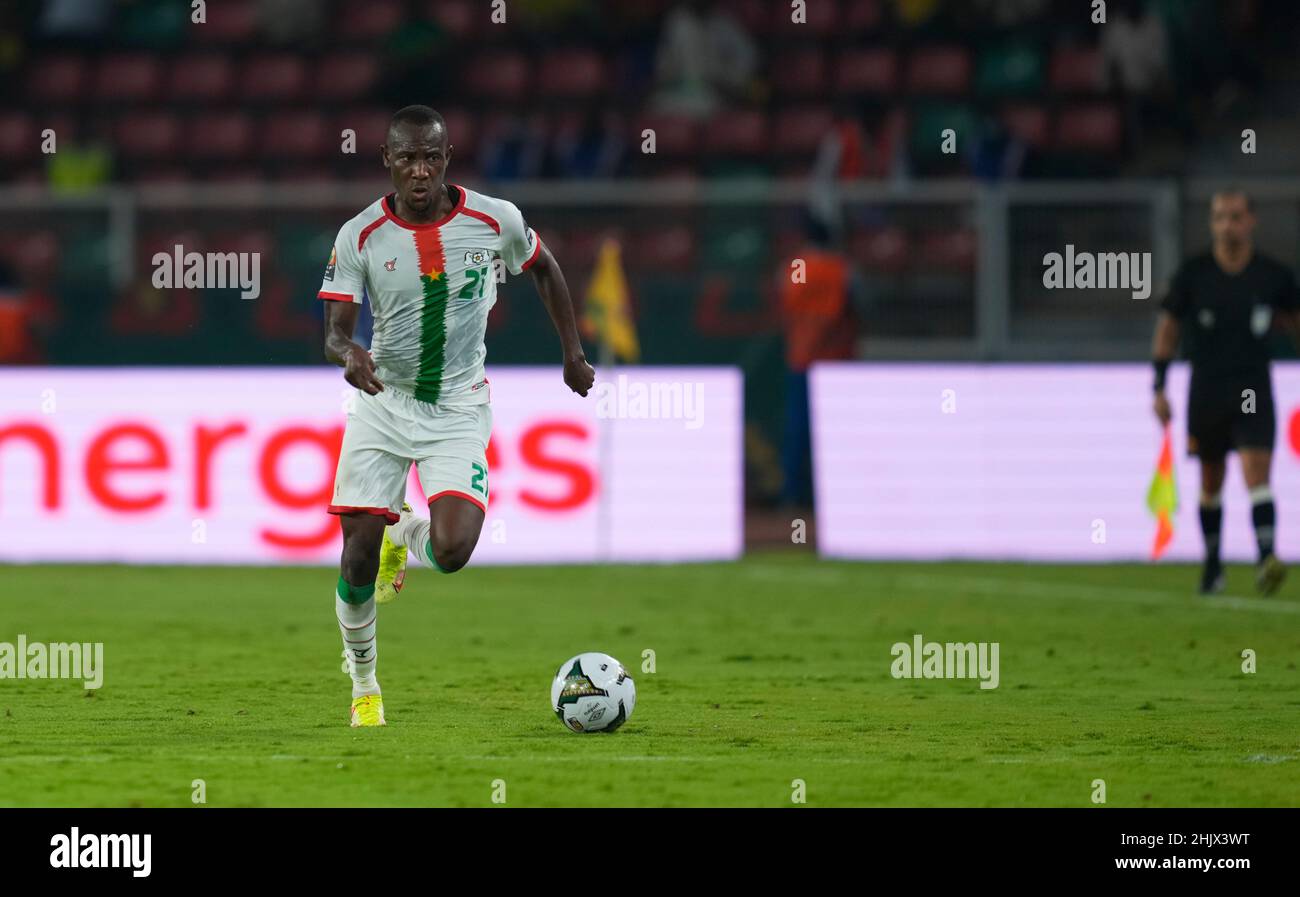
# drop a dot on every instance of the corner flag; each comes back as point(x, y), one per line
point(608, 312)
point(1162, 498)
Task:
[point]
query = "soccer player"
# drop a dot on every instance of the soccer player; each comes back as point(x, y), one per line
point(1226, 302)
point(425, 255)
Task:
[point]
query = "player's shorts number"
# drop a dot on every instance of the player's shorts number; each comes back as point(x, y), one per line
point(479, 481)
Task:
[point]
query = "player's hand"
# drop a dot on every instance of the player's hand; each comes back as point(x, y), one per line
point(359, 370)
point(578, 375)
point(1162, 408)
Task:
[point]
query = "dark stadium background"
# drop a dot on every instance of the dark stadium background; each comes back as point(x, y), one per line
point(227, 135)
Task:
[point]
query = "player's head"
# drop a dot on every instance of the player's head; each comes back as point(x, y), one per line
point(416, 153)
point(1232, 218)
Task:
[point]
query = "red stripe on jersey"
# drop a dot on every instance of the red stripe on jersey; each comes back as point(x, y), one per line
point(391, 212)
point(484, 217)
point(469, 498)
point(336, 297)
point(532, 258)
point(367, 230)
point(378, 512)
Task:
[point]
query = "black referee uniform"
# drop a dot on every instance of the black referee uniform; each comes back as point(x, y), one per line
point(1226, 323)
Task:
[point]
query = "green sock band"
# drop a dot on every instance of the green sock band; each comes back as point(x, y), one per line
point(428, 553)
point(355, 594)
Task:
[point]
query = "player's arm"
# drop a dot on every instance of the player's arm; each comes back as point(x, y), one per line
point(553, 289)
point(1163, 345)
point(341, 349)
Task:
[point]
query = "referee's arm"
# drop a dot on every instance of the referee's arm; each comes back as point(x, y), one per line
point(1163, 345)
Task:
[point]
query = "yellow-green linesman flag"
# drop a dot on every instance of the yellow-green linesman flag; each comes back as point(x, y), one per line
point(608, 312)
point(1162, 498)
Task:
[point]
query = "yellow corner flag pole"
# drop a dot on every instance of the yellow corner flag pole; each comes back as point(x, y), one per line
point(1162, 497)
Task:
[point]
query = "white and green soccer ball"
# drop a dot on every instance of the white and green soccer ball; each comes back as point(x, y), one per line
point(592, 693)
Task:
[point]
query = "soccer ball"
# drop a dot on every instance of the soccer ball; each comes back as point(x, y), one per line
point(593, 693)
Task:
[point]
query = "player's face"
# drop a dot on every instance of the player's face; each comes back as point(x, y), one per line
point(417, 158)
point(1231, 221)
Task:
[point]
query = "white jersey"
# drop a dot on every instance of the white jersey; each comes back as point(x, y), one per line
point(430, 287)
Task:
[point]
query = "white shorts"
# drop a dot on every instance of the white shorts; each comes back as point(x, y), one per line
point(388, 432)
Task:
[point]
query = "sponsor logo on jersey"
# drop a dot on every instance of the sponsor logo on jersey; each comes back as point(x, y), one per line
point(478, 256)
point(333, 263)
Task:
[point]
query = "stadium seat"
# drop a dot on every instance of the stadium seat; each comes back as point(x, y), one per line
point(676, 136)
point(279, 77)
point(822, 19)
point(501, 76)
point(301, 135)
point(460, 18)
point(867, 72)
point(934, 70)
point(149, 135)
point(370, 124)
point(669, 249)
point(860, 15)
point(228, 22)
point(799, 129)
point(751, 14)
point(204, 77)
point(1094, 128)
point(462, 132)
point(130, 77)
point(1076, 70)
point(19, 136)
point(33, 252)
point(798, 73)
point(224, 135)
point(1029, 123)
point(953, 250)
point(571, 73)
point(344, 76)
point(369, 21)
point(736, 133)
point(883, 249)
point(57, 79)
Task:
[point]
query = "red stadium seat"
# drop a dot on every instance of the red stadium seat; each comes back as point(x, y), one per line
point(799, 130)
point(867, 71)
point(822, 18)
point(461, 132)
point(751, 14)
point(571, 73)
point(369, 21)
point(19, 136)
point(882, 249)
point(1093, 128)
point(799, 73)
point(299, 135)
point(128, 77)
point(345, 76)
point(943, 70)
point(228, 22)
point(953, 250)
point(675, 135)
point(736, 133)
point(370, 124)
point(500, 75)
point(278, 77)
point(1076, 70)
point(148, 135)
point(668, 249)
point(205, 77)
point(1028, 123)
point(461, 18)
point(33, 252)
point(57, 79)
point(224, 135)
point(860, 15)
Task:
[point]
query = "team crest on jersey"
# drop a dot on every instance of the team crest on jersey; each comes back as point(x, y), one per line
point(478, 256)
point(333, 263)
point(1261, 318)
point(391, 264)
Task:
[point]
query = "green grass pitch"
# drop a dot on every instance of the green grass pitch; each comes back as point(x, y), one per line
point(768, 670)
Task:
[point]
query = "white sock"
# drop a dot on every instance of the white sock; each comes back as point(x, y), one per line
point(413, 532)
point(357, 624)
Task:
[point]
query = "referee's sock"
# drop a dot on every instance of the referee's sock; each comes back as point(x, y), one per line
point(1211, 524)
point(1264, 515)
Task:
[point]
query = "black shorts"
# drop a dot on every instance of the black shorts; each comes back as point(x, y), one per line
point(1219, 419)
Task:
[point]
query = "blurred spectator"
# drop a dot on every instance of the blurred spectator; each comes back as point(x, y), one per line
point(1134, 49)
point(996, 154)
point(514, 148)
point(145, 310)
point(705, 58)
point(820, 322)
point(587, 148)
point(842, 155)
point(27, 317)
